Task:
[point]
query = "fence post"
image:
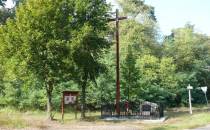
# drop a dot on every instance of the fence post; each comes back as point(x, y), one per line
point(161, 110)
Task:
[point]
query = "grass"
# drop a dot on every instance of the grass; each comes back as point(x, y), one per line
point(178, 119)
point(184, 122)
point(11, 118)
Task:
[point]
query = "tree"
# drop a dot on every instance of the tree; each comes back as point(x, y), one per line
point(51, 38)
point(5, 14)
point(138, 8)
point(158, 80)
point(90, 42)
point(107, 81)
point(41, 40)
point(140, 31)
point(2, 2)
point(142, 37)
point(130, 75)
point(190, 51)
point(137, 38)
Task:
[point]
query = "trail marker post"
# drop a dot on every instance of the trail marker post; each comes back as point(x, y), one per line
point(189, 88)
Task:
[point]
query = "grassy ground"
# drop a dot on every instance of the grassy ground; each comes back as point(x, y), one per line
point(178, 119)
point(183, 120)
point(11, 118)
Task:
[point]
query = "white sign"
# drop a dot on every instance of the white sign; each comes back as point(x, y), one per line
point(204, 89)
point(189, 90)
point(69, 99)
point(189, 87)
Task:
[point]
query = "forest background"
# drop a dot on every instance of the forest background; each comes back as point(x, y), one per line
point(42, 54)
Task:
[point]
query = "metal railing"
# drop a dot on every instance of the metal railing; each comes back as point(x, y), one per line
point(134, 110)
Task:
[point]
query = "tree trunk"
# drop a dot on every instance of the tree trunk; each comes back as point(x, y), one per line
point(49, 88)
point(83, 107)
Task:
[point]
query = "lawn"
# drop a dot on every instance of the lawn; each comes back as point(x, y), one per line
point(178, 119)
point(183, 120)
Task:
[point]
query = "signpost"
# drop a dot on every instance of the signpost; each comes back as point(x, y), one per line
point(204, 89)
point(189, 88)
point(69, 98)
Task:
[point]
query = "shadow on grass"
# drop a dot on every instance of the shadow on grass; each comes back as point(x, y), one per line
point(160, 128)
point(91, 118)
point(164, 128)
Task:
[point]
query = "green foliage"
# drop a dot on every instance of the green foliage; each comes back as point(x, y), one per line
point(56, 45)
point(136, 7)
point(91, 25)
point(4, 15)
point(39, 45)
point(106, 81)
point(53, 40)
point(130, 75)
point(158, 78)
point(190, 52)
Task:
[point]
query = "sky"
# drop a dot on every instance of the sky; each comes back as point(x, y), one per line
point(176, 13)
point(9, 4)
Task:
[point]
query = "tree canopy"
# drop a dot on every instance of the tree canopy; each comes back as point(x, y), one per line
point(2, 2)
point(48, 46)
point(48, 36)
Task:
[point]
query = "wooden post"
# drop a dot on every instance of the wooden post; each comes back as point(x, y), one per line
point(117, 19)
point(62, 106)
point(189, 91)
point(117, 66)
point(76, 107)
point(190, 104)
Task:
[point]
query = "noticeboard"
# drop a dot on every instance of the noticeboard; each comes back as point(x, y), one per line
point(69, 98)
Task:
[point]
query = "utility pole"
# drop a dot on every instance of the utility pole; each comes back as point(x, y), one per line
point(117, 19)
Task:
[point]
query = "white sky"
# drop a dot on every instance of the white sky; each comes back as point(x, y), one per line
point(176, 13)
point(9, 4)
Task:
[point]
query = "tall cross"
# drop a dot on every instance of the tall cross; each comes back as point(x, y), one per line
point(117, 19)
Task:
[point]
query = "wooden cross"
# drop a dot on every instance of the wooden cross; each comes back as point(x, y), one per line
point(117, 19)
